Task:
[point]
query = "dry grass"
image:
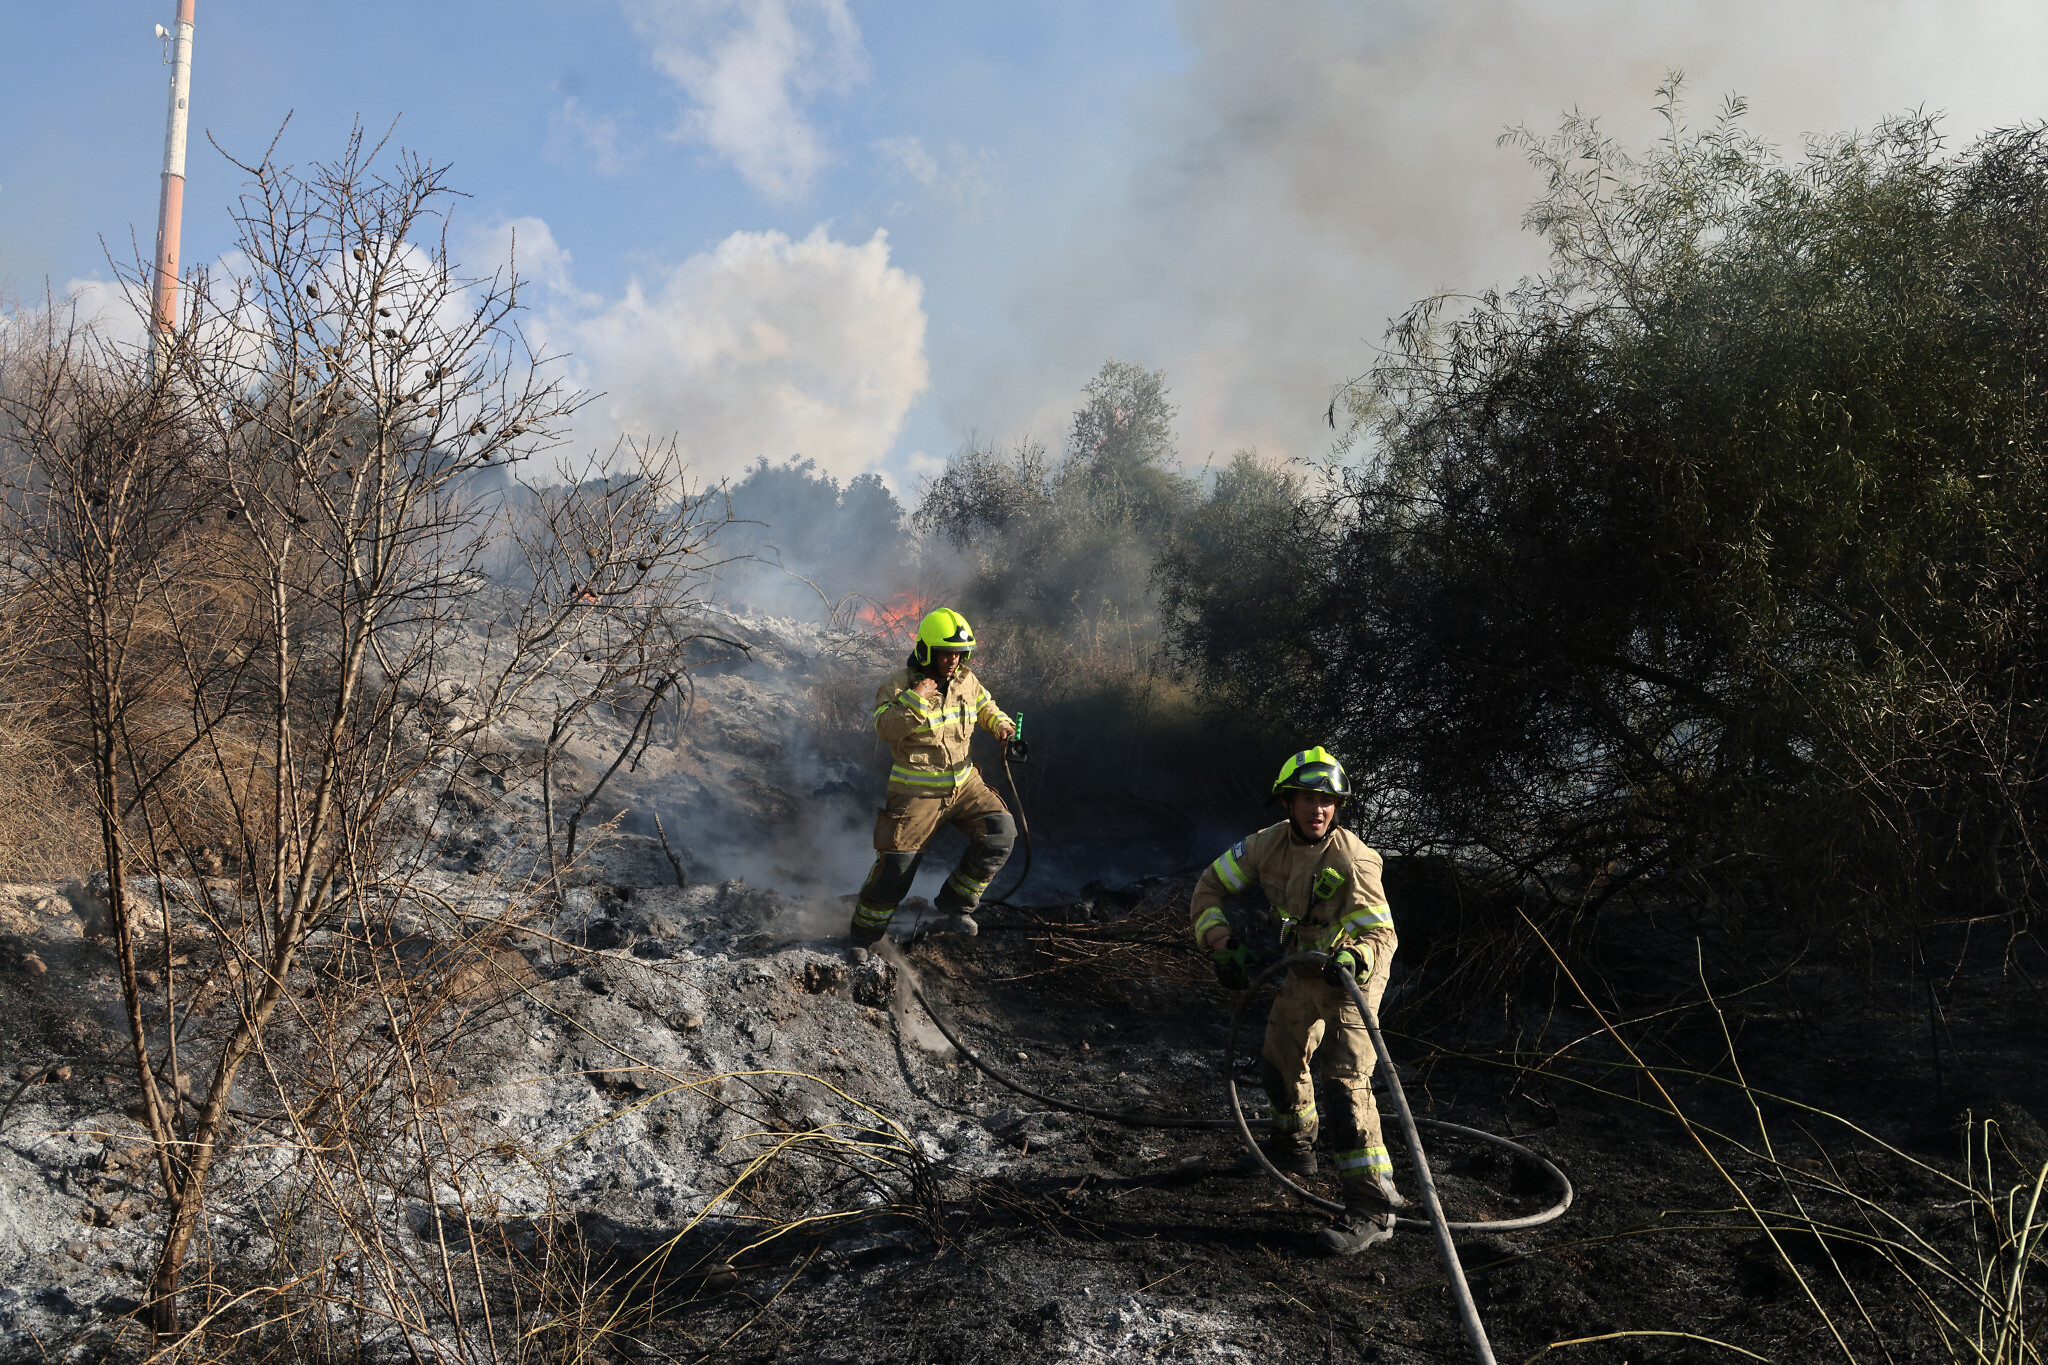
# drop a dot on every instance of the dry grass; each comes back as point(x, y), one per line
point(47, 829)
point(1824, 1196)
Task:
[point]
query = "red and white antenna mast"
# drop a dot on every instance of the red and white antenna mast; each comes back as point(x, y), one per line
point(170, 213)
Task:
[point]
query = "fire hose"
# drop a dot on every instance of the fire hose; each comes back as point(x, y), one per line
point(1439, 1225)
point(1015, 750)
point(1447, 1251)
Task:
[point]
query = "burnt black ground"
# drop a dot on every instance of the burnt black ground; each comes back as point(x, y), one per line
point(1123, 1243)
point(1107, 1242)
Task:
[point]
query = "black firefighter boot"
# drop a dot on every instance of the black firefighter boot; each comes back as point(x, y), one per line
point(957, 914)
point(1365, 1222)
point(1368, 1217)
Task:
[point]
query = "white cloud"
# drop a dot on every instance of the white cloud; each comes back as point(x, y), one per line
point(529, 245)
point(908, 156)
point(763, 345)
point(749, 68)
point(917, 467)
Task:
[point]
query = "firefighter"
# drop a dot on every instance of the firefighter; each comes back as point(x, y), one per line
point(1323, 885)
point(926, 713)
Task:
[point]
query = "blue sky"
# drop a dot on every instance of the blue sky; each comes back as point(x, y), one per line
point(1240, 193)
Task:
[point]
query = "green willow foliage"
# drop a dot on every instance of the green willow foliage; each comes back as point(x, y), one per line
point(1069, 545)
point(1715, 550)
point(1058, 557)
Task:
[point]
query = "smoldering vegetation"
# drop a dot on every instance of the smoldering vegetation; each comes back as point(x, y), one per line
point(1055, 556)
point(423, 873)
point(1698, 576)
point(804, 545)
point(286, 643)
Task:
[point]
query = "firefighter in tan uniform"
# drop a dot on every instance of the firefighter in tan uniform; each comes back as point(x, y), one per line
point(1323, 885)
point(927, 713)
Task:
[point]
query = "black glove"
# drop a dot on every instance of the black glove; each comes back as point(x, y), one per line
point(1232, 961)
point(1351, 962)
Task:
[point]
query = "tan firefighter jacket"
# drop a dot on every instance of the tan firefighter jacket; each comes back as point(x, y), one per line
point(928, 740)
point(1326, 895)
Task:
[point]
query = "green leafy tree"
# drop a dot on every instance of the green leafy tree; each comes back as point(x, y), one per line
point(1233, 572)
point(1070, 545)
point(1717, 548)
point(800, 539)
point(1061, 557)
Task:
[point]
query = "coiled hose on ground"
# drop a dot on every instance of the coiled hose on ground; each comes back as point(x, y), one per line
point(1441, 1227)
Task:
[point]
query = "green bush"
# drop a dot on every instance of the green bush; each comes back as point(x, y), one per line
point(1716, 549)
point(1070, 544)
point(1058, 566)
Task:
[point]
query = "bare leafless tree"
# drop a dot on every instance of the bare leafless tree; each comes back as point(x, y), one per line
point(617, 635)
point(103, 487)
point(263, 568)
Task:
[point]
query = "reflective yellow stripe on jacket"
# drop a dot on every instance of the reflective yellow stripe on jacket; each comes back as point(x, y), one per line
point(910, 699)
point(929, 737)
point(930, 779)
point(1230, 869)
point(932, 718)
point(1326, 895)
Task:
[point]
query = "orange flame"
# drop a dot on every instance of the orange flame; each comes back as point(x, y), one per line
point(900, 613)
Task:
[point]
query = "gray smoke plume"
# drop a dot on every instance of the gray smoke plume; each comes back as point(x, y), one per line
point(1318, 165)
point(808, 546)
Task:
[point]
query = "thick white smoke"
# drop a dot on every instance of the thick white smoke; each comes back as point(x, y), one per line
point(764, 345)
point(1318, 165)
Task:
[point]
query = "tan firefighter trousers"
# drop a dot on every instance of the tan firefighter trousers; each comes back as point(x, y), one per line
point(908, 822)
point(1312, 1018)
